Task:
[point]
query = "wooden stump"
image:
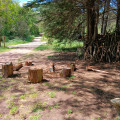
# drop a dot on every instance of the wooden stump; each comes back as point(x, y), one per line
point(72, 66)
point(116, 104)
point(7, 70)
point(66, 72)
point(17, 67)
point(35, 75)
point(52, 67)
point(28, 63)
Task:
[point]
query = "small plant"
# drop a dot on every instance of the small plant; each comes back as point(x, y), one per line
point(74, 92)
point(10, 104)
point(69, 111)
point(23, 96)
point(34, 117)
point(49, 107)
point(45, 103)
point(98, 118)
point(71, 78)
point(14, 110)
point(63, 88)
point(56, 106)
point(37, 107)
point(34, 95)
point(0, 76)
point(1, 115)
point(52, 94)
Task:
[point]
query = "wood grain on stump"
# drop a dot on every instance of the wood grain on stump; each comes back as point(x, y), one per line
point(72, 66)
point(17, 67)
point(66, 72)
point(7, 70)
point(35, 75)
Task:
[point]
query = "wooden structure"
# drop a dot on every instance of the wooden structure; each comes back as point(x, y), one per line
point(7, 70)
point(66, 72)
point(72, 66)
point(116, 104)
point(28, 63)
point(35, 75)
point(17, 67)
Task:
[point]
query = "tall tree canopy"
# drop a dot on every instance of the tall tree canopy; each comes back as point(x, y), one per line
point(95, 19)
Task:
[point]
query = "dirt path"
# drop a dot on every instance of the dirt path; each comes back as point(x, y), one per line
point(21, 49)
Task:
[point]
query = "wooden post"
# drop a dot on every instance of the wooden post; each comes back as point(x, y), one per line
point(116, 104)
point(66, 72)
point(17, 67)
point(52, 67)
point(4, 37)
point(7, 70)
point(35, 75)
point(72, 66)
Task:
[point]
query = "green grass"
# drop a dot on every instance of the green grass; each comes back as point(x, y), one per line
point(14, 110)
point(62, 46)
point(52, 94)
point(44, 47)
point(15, 42)
point(69, 111)
point(34, 117)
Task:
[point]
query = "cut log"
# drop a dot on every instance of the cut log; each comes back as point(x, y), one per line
point(17, 67)
point(7, 70)
point(52, 67)
point(116, 104)
point(35, 75)
point(28, 63)
point(72, 66)
point(66, 72)
point(91, 68)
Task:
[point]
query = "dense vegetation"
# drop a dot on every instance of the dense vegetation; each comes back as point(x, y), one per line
point(17, 22)
point(95, 22)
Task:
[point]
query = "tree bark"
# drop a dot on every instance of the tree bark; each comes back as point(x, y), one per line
point(35, 75)
point(66, 72)
point(118, 18)
point(7, 70)
point(18, 67)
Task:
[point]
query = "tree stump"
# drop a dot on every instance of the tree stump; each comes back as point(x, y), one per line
point(52, 67)
point(17, 67)
point(72, 66)
point(7, 70)
point(66, 72)
point(35, 75)
point(116, 104)
point(28, 63)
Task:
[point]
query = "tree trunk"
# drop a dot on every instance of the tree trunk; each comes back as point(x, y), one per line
point(118, 18)
point(35, 75)
point(7, 70)
point(66, 72)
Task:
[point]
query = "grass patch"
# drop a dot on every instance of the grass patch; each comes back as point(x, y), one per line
point(38, 107)
point(23, 96)
point(14, 110)
point(34, 117)
point(52, 94)
point(43, 47)
point(15, 41)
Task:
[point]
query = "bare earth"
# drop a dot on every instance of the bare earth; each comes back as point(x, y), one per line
point(84, 96)
point(20, 50)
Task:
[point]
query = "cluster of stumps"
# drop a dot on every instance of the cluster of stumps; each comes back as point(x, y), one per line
point(35, 74)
